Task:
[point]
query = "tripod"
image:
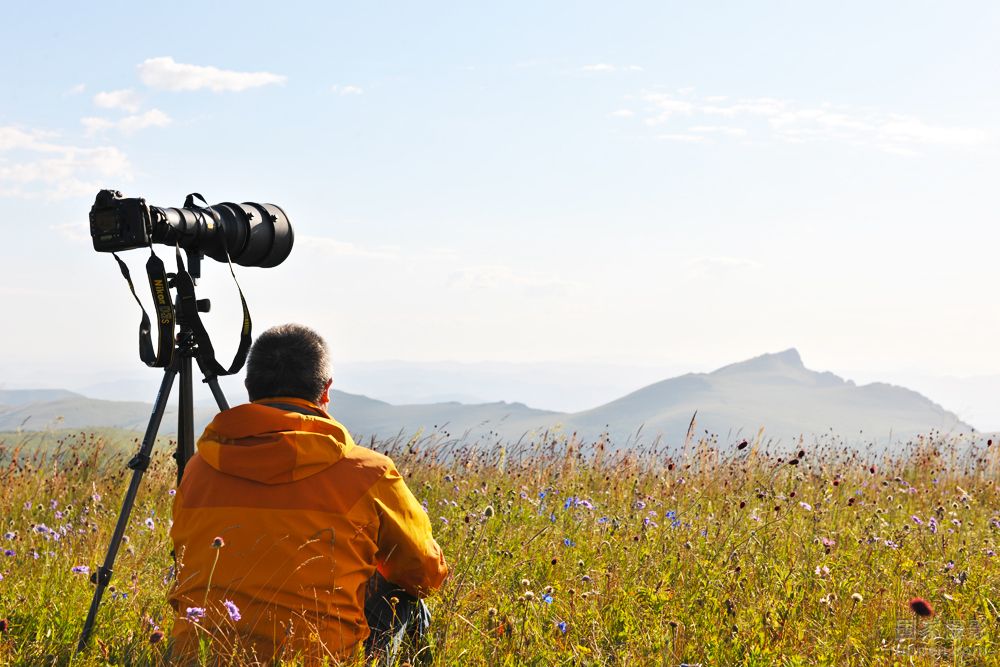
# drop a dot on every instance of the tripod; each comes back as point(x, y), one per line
point(186, 348)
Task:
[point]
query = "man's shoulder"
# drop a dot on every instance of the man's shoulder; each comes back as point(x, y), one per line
point(368, 459)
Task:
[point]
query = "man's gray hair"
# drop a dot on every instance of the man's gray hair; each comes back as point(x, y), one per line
point(288, 360)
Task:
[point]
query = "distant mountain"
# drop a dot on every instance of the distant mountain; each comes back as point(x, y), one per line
point(773, 391)
point(777, 392)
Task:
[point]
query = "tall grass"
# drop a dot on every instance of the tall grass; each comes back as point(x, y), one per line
point(568, 554)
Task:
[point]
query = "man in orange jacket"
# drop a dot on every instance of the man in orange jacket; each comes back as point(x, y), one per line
point(291, 540)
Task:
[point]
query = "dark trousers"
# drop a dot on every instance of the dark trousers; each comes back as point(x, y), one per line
point(393, 616)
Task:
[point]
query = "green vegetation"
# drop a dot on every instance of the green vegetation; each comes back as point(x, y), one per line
point(731, 557)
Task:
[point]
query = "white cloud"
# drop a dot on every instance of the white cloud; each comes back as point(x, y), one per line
point(718, 129)
point(127, 100)
point(165, 74)
point(127, 125)
point(347, 90)
point(792, 122)
point(700, 268)
point(34, 164)
point(499, 277)
point(77, 89)
point(682, 138)
point(622, 113)
point(606, 67)
point(328, 246)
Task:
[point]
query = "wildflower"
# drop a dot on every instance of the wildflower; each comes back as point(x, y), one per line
point(649, 523)
point(547, 599)
point(8, 552)
point(232, 610)
point(54, 504)
point(172, 492)
point(639, 505)
point(822, 571)
point(602, 519)
point(528, 596)
point(27, 504)
point(921, 607)
point(856, 597)
point(194, 613)
point(488, 512)
point(568, 542)
point(932, 525)
point(156, 637)
point(525, 583)
point(585, 578)
point(443, 520)
point(562, 626)
point(916, 520)
point(950, 565)
point(806, 506)
point(150, 524)
point(9, 536)
point(827, 542)
point(218, 542)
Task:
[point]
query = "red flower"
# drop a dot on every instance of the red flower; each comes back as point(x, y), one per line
point(921, 607)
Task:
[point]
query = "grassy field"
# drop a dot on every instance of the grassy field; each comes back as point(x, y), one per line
point(717, 556)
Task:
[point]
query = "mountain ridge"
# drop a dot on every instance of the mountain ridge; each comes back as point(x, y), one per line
point(775, 391)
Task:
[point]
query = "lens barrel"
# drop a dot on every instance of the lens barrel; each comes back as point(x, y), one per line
point(254, 234)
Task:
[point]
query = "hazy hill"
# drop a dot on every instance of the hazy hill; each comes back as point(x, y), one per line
point(775, 391)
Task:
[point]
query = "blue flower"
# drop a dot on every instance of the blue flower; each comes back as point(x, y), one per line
point(569, 503)
point(232, 610)
point(542, 494)
point(562, 626)
point(568, 542)
point(195, 613)
point(603, 519)
point(547, 598)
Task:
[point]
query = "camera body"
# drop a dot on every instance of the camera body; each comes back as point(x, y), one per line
point(117, 223)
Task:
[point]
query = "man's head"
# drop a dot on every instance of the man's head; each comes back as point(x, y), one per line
point(289, 360)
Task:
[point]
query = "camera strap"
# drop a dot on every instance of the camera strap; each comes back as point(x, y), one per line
point(157, 275)
point(188, 305)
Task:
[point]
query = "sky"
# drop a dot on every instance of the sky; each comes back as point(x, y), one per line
point(642, 184)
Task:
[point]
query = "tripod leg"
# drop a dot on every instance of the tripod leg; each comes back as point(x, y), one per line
point(185, 418)
point(220, 398)
point(138, 465)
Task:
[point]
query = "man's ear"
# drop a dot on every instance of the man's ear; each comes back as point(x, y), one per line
point(325, 398)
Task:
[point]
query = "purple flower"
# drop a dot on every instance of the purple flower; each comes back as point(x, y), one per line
point(54, 504)
point(80, 569)
point(916, 520)
point(27, 505)
point(9, 536)
point(806, 506)
point(649, 523)
point(149, 523)
point(639, 505)
point(8, 552)
point(194, 613)
point(58, 514)
point(96, 497)
point(172, 492)
point(232, 610)
point(586, 504)
point(443, 520)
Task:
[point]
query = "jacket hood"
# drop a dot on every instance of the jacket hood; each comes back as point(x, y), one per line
point(273, 445)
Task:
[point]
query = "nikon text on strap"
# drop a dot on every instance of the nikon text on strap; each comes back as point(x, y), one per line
point(165, 319)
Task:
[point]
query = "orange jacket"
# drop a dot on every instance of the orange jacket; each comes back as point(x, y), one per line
point(305, 517)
